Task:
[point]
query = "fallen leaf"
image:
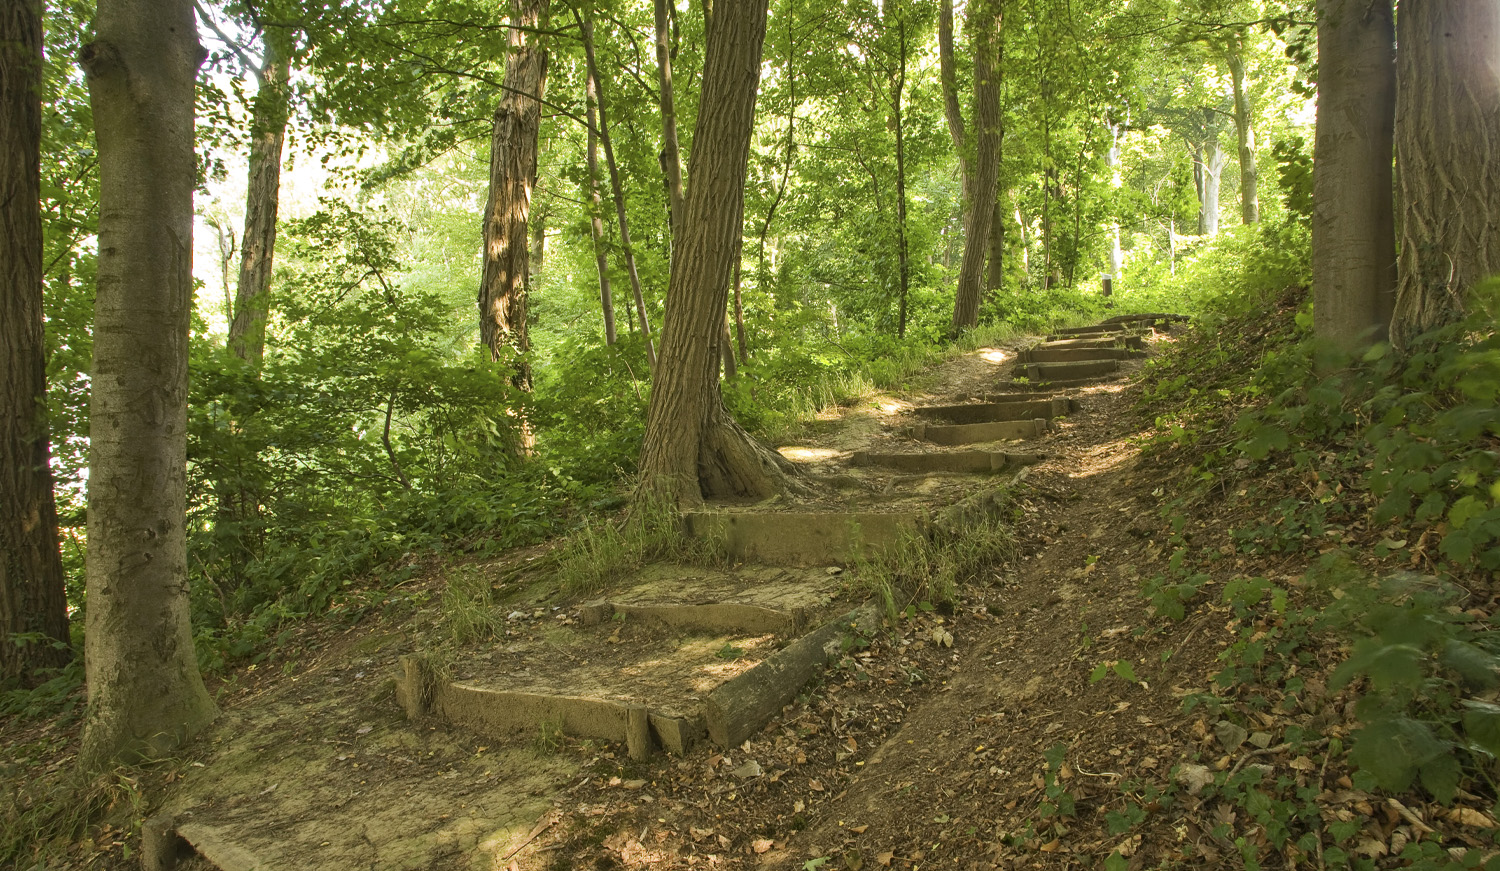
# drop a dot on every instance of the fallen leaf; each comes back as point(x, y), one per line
point(1302, 763)
point(1468, 816)
point(1051, 846)
point(885, 859)
point(748, 770)
point(815, 785)
point(859, 830)
point(633, 784)
point(761, 845)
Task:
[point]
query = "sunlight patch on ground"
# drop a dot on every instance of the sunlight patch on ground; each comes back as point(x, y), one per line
point(992, 355)
point(892, 406)
point(1104, 458)
point(808, 455)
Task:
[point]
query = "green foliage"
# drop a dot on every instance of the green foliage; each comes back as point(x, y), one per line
point(469, 607)
point(602, 551)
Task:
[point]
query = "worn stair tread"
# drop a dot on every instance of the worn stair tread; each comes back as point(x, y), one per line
point(946, 461)
point(1045, 354)
point(978, 433)
point(987, 412)
point(800, 537)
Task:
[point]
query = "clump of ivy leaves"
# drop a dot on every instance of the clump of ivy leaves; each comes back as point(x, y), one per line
point(1381, 472)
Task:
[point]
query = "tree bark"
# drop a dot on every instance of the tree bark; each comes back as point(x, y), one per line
point(596, 218)
point(145, 693)
point(513, 166)
point(1448, 129)
point(985, 25)
point(587, 27)
point(1353, 224)
point(948, 79)
point(671, 153)
point(268, 120)
point(32, 594)
point(1244, 131)
point(693, 448)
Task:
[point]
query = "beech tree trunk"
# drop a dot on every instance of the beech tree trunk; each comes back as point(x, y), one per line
point(1447, 158)
point(1244, 131)
point(268, 120)
point(1208, 169)
point(145, 695)
point(32, 595)
point(513, 161)
point(1353, 223)
point(985, 24)
point(693, 448)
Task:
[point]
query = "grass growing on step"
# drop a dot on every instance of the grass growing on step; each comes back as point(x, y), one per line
point(469, 607)
point(603, 551)
point(930, 566)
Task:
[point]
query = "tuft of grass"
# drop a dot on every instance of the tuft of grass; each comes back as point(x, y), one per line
point(928, 567)
point(549, 738)
point(468, 607)
point(41, 818)
point(601, 552)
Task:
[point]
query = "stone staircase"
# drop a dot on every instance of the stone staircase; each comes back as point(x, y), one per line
point(682, 654)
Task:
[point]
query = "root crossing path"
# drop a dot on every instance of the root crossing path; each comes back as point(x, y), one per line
point(756, 707)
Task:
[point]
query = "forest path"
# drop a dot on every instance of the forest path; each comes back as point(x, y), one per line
point(915, 747)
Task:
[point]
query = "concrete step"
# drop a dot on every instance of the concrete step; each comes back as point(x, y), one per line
point(1150, 319)
point(978, 433)
point(1070, 383)
point(947, 461)
point(1041, 373)
point(734, 617)
point(989, 412)
point(1132, 341)
point(799, 537)
point(1048, 354)
point(1095, 328)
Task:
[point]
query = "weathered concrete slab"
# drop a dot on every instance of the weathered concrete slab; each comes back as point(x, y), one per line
point(987, 412)
point(743, 705)
point(978, 433)
point(165, 842)
point(1083, 331)
point(1048, 354)
point(951, 461)
point(1133, 341)
point(799, 538)
point(1066, 384)
point(499, 713)
point(1044, 372)
point(709, 617)
point(1148, 319)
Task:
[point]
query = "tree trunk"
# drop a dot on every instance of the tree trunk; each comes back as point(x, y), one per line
point(693, 448)
point(32, 595)
point(671, 154)
point(1448, 124)
point(1208, 169)
point(1353, 224)
point(948, 78)
point(268, 120)
point(903, 267)
point(596, 219)
point(985, 25)
point(587, 27)
point(145, 693)
point(1244, 132)
point(1116, 256)
point(513, 165)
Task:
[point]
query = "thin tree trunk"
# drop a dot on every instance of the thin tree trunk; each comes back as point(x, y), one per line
point(903, 265)
point(693, 448)
point(1244, 132)
point(984, 20)
point(1448, 129)
point(268, 120)
point(671, 159)
point(513, 166)
point(1208, 169)
point(32, 595)
point(626, 248)
point(596, 219)
point(1353, 223)
point(146, 695)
